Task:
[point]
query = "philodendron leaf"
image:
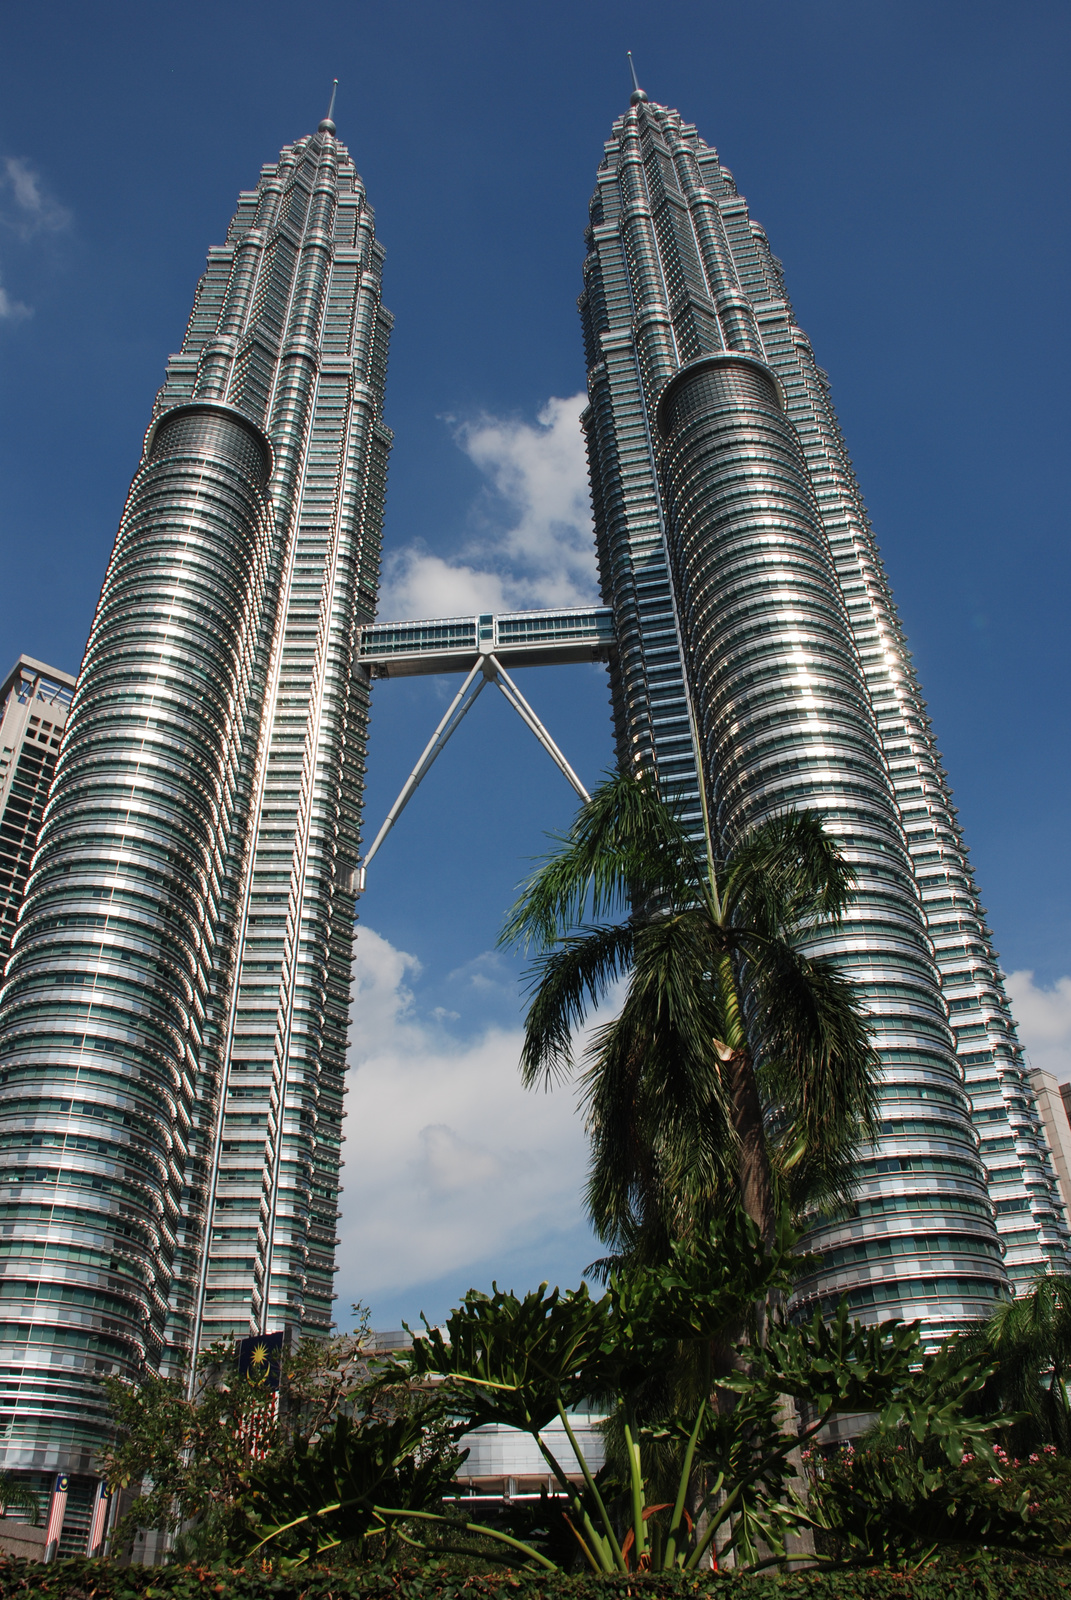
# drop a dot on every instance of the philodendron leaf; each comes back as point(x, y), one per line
point(510, 1360)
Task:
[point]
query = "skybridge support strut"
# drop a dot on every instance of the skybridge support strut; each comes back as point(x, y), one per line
point(487, 670)
point(528, 716)
point(457, 709)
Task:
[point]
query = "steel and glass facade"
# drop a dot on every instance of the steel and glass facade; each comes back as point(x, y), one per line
point(759, 652)
point(173, 1024)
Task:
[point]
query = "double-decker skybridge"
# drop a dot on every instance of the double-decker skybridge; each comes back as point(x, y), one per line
point(482, 647)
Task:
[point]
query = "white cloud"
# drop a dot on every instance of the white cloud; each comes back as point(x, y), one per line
point(533, 545)
point(451, 1165)
point(448, 1160)
point(541, 473)
point(12, 310)
point(419, 584)
point(28, 208)
point(1044, 1020)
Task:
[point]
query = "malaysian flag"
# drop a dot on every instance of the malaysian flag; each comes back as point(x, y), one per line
point(56, 1512)
point(99, 1520)
point(260, 1359)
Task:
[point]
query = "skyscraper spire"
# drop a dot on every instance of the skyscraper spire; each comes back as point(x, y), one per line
point(638, 96)
point(327, 125)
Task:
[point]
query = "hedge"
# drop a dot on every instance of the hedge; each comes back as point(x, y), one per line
point(988, 1578)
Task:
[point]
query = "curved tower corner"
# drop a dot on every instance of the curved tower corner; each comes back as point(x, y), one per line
point(751, 604)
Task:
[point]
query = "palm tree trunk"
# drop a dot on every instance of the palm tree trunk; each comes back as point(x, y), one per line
point(745, 1112)
point(756, 1179)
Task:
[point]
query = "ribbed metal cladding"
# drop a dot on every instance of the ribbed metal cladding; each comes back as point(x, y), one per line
point(101, 1016)
point(760, 608)
point(785, 721)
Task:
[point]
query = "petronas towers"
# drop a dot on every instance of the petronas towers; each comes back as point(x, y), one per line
point(173, 1023)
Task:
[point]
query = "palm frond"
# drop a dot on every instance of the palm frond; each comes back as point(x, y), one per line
point(1035, 1324)
point(671, 1142)
point(1029, 1338)
point(565, 982)
point(673, 962)
point(16, 1495)
point(661, 1137)
point(660, 1145)
point(817, 1066)
point(786, 874)
point(625, 847)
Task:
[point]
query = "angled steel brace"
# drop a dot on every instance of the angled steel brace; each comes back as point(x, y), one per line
point(528, 716)
point(489, 670)
point(457, 709)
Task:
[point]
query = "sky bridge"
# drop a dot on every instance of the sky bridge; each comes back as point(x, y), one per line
point(514, 638)
point(482, 647)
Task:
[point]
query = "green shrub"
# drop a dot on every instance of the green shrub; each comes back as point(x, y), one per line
point(985, 1579)
point(895, 1502)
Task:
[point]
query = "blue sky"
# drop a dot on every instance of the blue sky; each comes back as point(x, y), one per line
point(909, 164)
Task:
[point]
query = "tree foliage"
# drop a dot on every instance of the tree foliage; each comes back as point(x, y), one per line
point(1028, 1341)
point(188, 1457)
point(739, 1067)
point(525, 1361)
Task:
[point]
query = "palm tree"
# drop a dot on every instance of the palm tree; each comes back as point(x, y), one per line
point(1030, 1341)
point(16, 1495)
point(738, 1068)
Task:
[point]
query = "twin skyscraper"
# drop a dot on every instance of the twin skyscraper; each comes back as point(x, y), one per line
point(173, 1024)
